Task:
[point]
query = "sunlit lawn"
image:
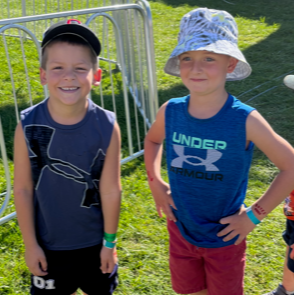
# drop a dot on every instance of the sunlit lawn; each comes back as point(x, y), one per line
point(266, 38)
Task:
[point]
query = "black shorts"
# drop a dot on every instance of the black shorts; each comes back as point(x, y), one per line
point(73, 269)
point(288, 236)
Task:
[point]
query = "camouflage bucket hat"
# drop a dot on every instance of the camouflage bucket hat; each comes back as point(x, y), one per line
point(210, 30)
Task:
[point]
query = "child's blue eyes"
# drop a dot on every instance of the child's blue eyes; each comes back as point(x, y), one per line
point(77, 69)
point(208, 59)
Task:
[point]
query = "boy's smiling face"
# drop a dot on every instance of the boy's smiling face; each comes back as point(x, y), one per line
point(204, 72)
point(69, 73)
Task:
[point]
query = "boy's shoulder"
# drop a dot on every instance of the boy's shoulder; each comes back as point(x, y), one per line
point(232, 103)
point(240, 106)
point(178, 100)
point(32, 109)
point(175, 104)
point(109, 115)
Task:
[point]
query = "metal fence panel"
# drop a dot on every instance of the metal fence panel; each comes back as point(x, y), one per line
point(18, 8)
point(128, 85)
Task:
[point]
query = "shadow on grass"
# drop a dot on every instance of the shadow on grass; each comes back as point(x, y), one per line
point(273, 11)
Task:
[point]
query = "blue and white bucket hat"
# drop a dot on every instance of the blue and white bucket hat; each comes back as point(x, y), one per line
point(210, 30)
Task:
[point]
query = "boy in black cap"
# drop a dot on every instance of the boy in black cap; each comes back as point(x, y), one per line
point(67, 171)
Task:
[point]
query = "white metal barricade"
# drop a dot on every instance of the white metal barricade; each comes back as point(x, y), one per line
point(129, 79)
point(19, 8)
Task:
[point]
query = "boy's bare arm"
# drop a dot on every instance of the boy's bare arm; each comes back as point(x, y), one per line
point(110, 185)
point(280, 152)
point(110, 191)
point(23, 196)
point(153, 146)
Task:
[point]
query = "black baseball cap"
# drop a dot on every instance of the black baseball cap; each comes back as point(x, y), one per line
point(72, 27)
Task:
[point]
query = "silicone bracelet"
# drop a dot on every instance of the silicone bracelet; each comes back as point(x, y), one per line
point(251, 216)
point(110, 245)
point(110, 237)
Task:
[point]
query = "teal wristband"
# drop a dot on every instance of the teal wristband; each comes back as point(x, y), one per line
point(110, 245)
point(251, 216)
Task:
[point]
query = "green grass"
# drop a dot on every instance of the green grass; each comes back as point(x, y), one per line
point(266, 38)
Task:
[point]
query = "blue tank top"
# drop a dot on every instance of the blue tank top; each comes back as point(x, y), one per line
point(208, 167)
point(67, 162)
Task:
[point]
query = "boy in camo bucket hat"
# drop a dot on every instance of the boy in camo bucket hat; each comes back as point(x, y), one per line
point(210, 136)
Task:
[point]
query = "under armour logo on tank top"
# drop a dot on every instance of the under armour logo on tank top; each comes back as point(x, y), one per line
point(39, 138)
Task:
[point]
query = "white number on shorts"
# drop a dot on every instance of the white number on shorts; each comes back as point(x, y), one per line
point(41, 283)
point(50, 285)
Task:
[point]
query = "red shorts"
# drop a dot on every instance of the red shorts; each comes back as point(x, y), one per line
point(193, 269)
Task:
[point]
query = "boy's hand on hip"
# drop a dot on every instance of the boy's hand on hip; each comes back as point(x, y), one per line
point(108, 259)
point(163, 199)
point(36, 261)
point(238, 224)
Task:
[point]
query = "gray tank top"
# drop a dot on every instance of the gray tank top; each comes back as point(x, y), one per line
point(67, 162)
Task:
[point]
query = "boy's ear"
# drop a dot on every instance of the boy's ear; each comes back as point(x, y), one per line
point(97, 77)
point(43, 76)
point(232, 64)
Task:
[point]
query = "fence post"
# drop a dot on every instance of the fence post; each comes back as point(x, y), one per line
point(6, 169)
point(24, 14)
point(23, 7)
